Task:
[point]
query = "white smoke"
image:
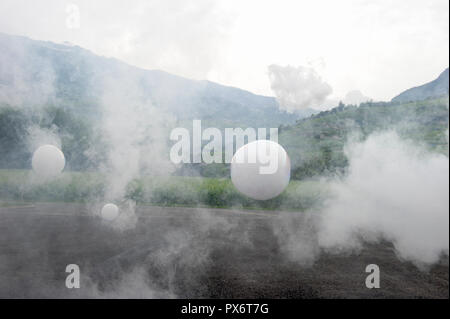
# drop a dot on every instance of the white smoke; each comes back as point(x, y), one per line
point(297, 88)
point(38, 136)
point(134, 284)
point(136, 134)
point(26, 78)
point(355, 97)
point(394, 191)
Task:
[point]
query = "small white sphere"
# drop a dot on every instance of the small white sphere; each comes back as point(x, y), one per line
point(261, 169)
point(110, 212)
point(48, 161)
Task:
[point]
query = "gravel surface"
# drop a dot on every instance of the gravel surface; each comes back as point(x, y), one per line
point(175, 252)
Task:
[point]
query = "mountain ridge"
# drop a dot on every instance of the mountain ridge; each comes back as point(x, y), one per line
point(78, 72)
point(73, 79)
point(432, 89)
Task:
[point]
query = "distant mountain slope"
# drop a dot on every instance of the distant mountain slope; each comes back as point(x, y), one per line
point(316, 144)
point(69, 82)
point(433, 89)
point(34, 72)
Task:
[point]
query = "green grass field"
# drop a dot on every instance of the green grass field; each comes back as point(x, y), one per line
point(23, 186)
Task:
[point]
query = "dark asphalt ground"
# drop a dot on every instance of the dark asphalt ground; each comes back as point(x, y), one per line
point(190, 253)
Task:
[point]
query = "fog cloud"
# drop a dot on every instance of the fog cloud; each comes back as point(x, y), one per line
point(135, 132)
point(394, 191)
point(297, 88)
point(355, 97)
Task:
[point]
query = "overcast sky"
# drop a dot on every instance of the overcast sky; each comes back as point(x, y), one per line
point(377, 47)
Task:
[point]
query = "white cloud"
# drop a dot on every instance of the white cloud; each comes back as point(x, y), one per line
point(298, 88)
point(365, 44)
point(394, 191)
point(355, 97)
point(177, 36)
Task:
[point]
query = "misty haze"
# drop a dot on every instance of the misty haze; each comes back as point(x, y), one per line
point(93, 97)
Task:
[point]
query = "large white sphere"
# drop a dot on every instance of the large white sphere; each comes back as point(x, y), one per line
point(261, 169)
point(110, 212)
point(48, 161)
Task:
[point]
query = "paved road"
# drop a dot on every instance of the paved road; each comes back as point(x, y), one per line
point(192, 252)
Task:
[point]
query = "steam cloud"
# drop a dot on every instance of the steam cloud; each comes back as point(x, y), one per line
point(136, 134)
point(394, 191)
point(355, 97)
point(27, 79)
point(297, 88)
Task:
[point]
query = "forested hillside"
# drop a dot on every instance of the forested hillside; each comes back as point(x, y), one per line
point(316, 144)
point(59, 88)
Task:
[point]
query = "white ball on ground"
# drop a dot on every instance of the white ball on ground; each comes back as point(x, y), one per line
point(48, 161)
point(110, 212)
point(261, 169)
